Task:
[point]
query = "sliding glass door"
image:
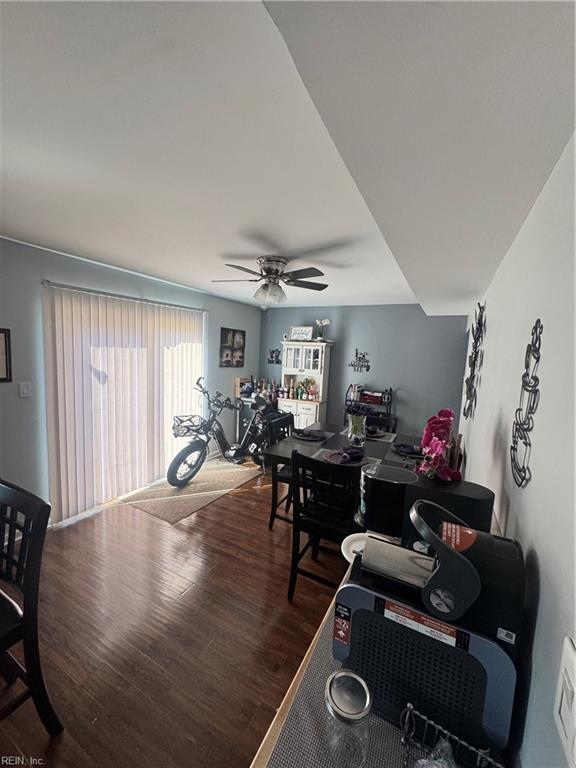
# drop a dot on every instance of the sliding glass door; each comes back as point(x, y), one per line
point(118, 370)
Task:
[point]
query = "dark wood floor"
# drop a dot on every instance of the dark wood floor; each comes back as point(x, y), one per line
point(168, 645)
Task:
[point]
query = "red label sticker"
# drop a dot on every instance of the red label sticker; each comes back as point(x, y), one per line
point(426, 625)
point(342, 630)
point(342, 615)
point(457, 537)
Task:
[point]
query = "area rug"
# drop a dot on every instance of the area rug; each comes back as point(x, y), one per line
point(216, 478)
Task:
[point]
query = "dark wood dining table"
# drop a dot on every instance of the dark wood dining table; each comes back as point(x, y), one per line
point(281, 452)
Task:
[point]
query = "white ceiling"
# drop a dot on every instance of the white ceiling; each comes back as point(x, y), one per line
point(450, 117)
point(152, 135)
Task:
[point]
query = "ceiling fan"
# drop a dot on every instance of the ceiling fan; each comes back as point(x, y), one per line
point(272, 272)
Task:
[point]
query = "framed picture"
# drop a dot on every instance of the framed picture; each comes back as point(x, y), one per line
point(5, 359)
point(301, 333)
point(274, 357)
point(232, 347)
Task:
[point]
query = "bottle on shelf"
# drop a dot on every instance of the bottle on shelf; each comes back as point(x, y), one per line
point(291, 391)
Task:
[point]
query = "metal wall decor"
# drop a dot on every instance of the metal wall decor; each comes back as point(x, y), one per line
point(5, 356)
point(477, 331)
point(360, 362)
point(523, 417)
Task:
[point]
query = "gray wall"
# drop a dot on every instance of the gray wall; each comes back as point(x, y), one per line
point(421, 357)
point(23, 440)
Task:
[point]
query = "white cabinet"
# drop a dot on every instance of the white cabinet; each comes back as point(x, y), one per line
point(306, 360)
point(305, 413)
point(303, 358)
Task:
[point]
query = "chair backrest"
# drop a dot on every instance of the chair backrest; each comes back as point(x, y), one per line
point(280, 427)
point(327, 492)
point(23, 522)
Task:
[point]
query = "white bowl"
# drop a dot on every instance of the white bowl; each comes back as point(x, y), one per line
point(353, 545)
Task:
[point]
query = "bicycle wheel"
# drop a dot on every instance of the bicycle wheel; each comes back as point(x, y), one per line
point(186, 464)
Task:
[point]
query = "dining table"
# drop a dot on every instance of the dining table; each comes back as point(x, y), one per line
point(377, 449)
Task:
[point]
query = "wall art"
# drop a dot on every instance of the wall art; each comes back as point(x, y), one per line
point(274, 357)
point(301, 332)
point(474, 362)
point(5, 356)
point(360, 362)
point(524, 415)
point(232, 348)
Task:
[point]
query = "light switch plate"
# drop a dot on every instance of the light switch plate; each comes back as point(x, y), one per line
point(565, 701)
point(25, 389)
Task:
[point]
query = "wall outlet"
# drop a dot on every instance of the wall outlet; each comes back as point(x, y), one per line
point(25, 389)
point(565, 701)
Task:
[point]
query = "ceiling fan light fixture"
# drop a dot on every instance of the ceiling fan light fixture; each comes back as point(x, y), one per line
point(275, 294)
point(270, 293)
point(261, 294)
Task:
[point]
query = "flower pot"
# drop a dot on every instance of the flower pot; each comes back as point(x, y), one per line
point(356, 430)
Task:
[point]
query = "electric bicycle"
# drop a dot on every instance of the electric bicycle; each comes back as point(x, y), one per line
point(187, 462)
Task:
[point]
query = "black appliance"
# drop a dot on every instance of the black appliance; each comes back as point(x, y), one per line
point(470, 502)
point(383, 491)
point(440, 632)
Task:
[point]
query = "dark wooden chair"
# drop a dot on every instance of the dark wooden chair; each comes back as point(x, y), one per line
point(325, 498)
point(23, 521)
point(279, 429)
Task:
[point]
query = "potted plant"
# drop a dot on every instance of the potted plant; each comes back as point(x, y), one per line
point(320, 325)
point(357, 414)
point(437, 442)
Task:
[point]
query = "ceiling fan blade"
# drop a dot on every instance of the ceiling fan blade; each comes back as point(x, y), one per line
point(297, 274)
point(263, 240)
point(241, 256)
point(246, 280)
point(244, 269)
point(306, 284)
point(313, 250)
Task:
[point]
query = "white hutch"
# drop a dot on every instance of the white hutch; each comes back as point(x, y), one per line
point(306, 360)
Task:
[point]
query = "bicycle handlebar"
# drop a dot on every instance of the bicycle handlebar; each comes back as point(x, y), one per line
point(217, 399)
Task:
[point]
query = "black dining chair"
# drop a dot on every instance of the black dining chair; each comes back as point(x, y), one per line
point(23, 521)
point(280, 428)
point(325, 498)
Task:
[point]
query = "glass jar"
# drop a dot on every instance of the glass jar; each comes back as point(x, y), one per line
point(348, 702)
point(356, 429)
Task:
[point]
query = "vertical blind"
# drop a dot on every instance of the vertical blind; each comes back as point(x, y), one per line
point(117, 371)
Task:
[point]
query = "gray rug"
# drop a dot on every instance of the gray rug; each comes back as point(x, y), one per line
point(216, 478)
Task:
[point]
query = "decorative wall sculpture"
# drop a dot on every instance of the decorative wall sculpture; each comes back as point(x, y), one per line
point(474, 359)
point(360, 362)
point(523, 417)
point(5, 356)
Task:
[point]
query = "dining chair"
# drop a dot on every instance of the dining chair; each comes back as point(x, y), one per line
point(279, 429)
point(23, 521)
point(325, 498)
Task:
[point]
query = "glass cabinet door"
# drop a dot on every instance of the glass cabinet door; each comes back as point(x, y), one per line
point(311, 359)
point(297, 358)
point(315, 364)
point(289, 358)
point(307, 361)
